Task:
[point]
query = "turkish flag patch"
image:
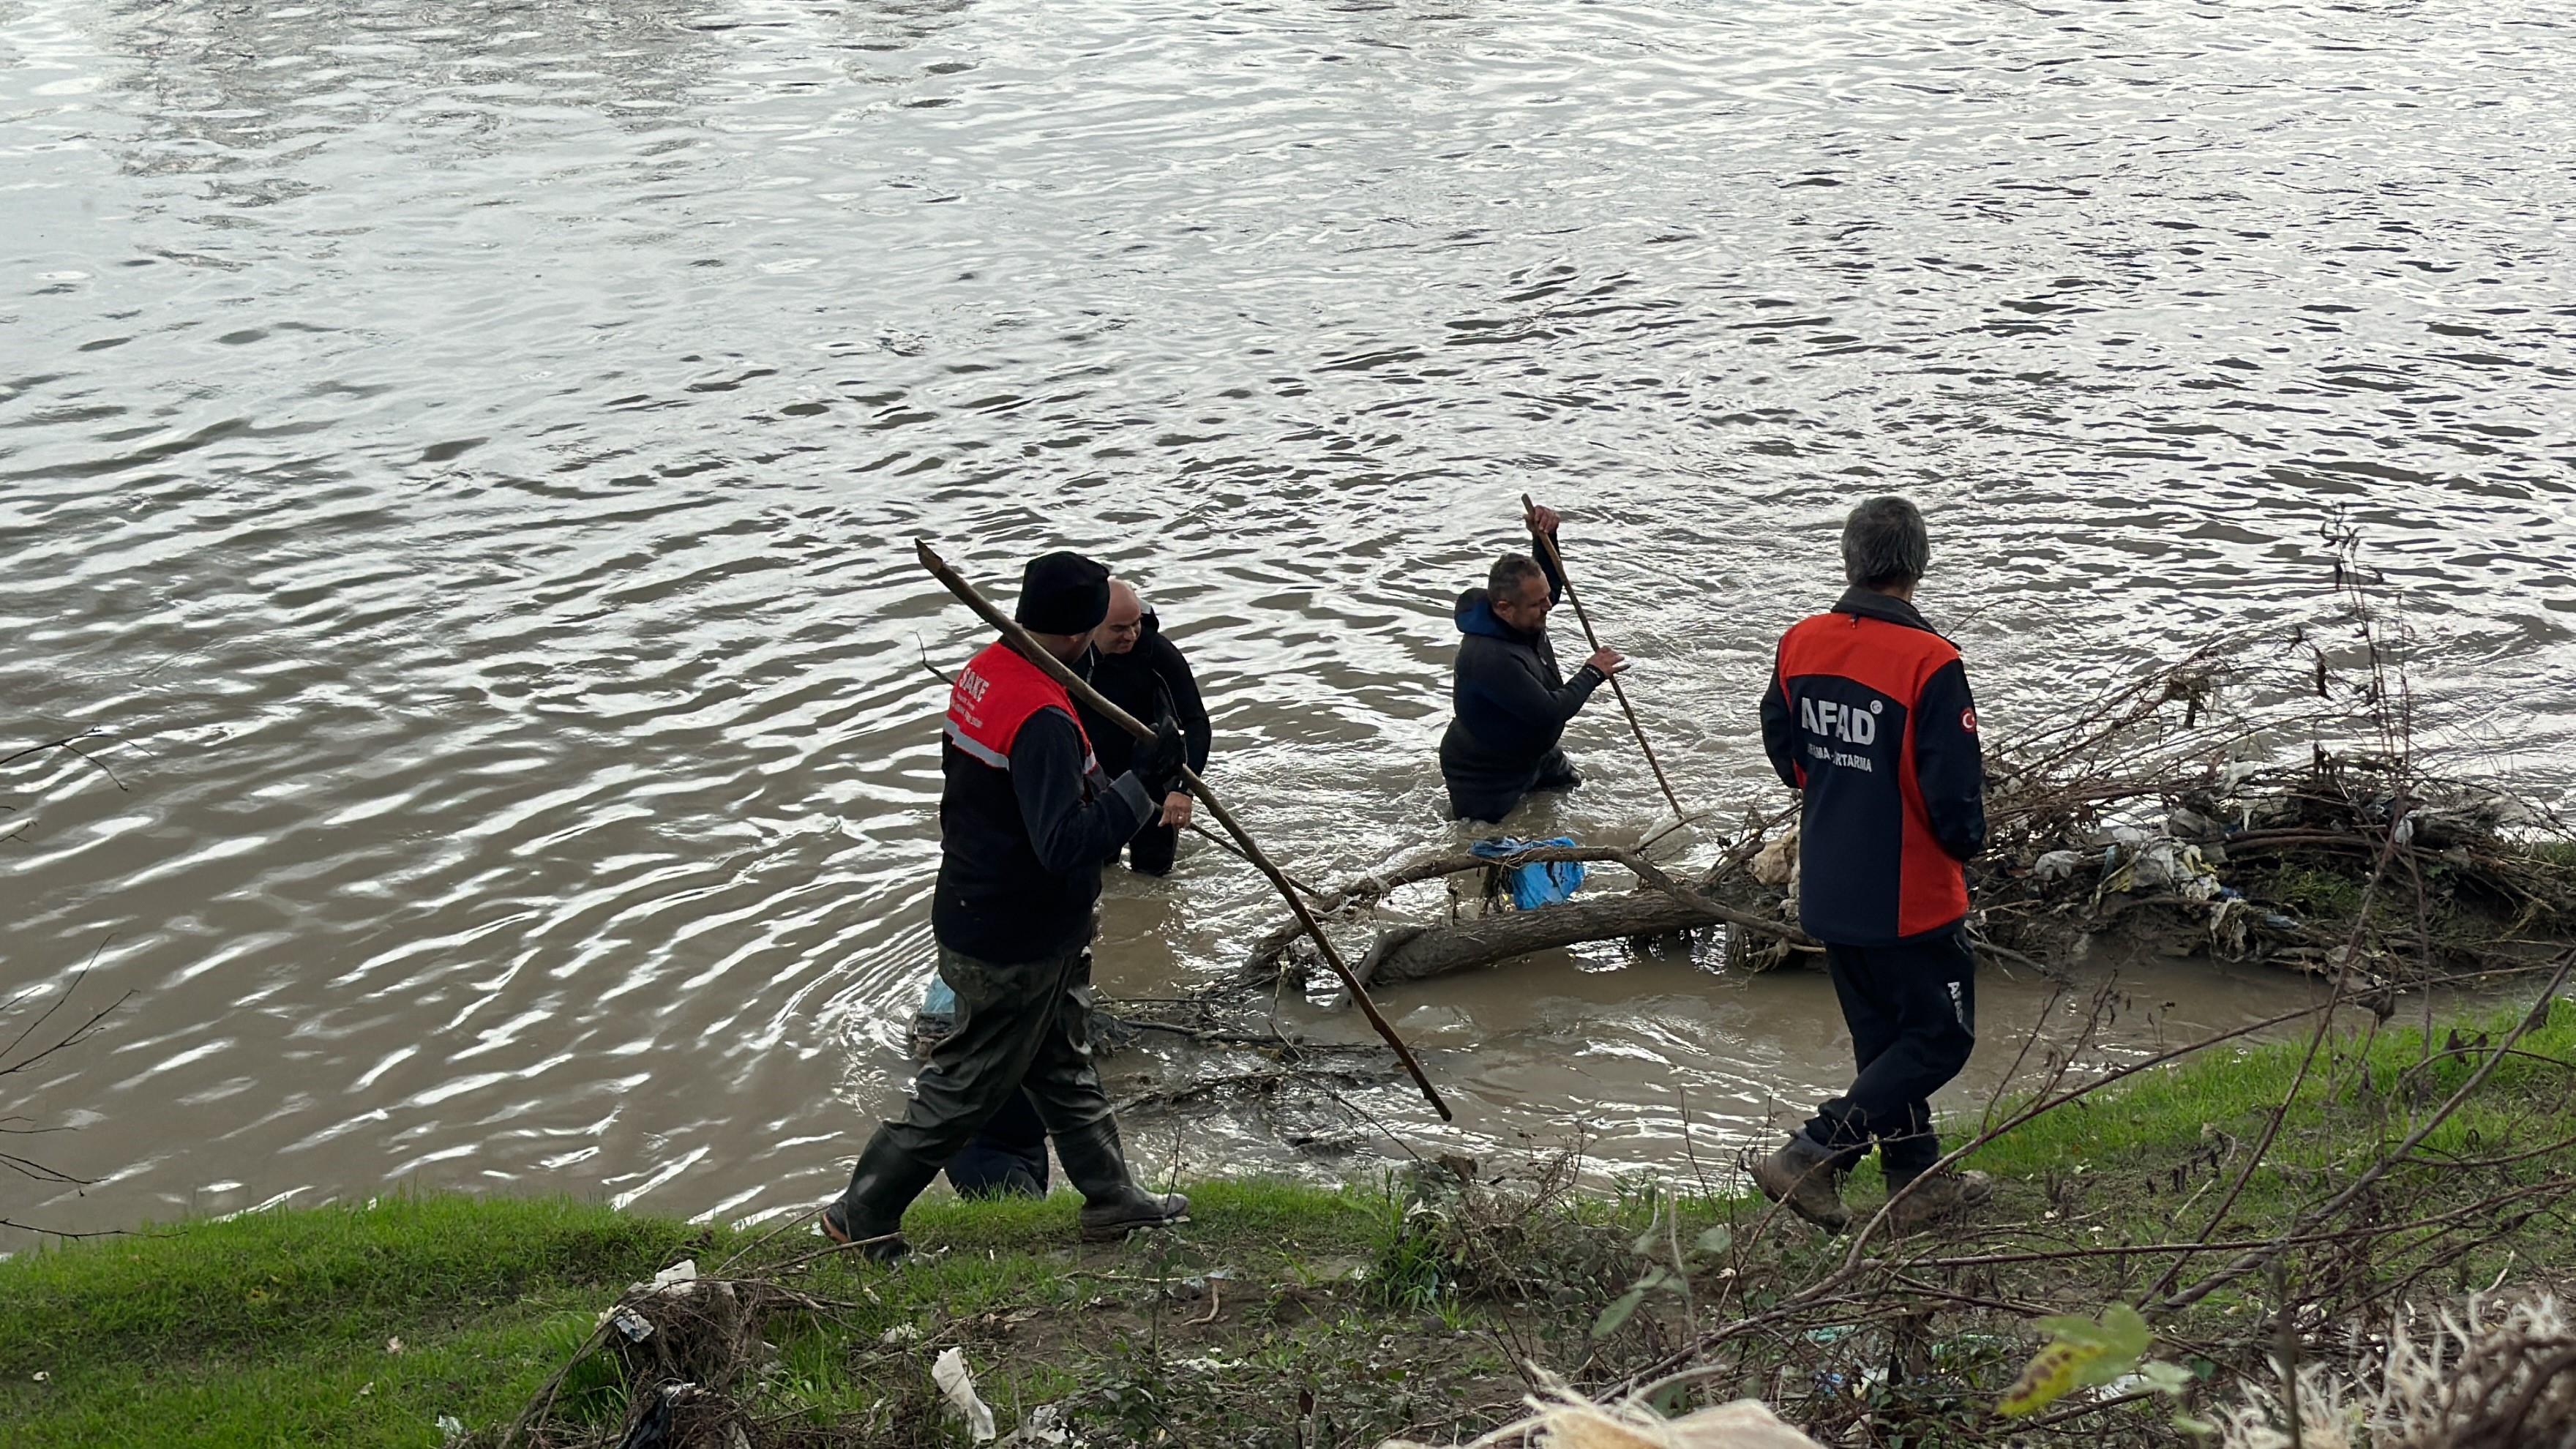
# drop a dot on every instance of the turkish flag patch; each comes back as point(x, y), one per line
point(1968, 720)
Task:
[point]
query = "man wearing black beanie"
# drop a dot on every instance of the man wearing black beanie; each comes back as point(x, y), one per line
point(1024, 823)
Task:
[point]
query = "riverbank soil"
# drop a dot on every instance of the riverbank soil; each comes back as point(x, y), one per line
point(1298, 1316)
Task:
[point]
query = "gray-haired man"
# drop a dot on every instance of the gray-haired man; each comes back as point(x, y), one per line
point(1869, 718)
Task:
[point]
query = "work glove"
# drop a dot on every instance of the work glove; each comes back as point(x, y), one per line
point(1159, 761)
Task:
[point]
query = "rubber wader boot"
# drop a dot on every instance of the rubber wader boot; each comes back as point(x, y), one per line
point(884, 1183)
point(1936, 1196)
point(1804, 1176)
point(1112, 1204)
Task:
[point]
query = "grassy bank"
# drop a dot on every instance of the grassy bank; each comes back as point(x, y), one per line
point(1285, 1314)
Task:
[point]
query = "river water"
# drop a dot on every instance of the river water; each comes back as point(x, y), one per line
point(459, 461)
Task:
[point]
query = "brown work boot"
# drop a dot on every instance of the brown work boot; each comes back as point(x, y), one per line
point(1936, 1196)
point(1804, 1176)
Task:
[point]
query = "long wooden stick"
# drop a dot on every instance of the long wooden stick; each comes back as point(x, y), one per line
point(1549, 542)
point(1081, 689)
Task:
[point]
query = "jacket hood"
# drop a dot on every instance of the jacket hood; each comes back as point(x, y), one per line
point(1476, 616)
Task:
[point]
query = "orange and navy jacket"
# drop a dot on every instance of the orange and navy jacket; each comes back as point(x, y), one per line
point(1869, 714)
point(1026, 816)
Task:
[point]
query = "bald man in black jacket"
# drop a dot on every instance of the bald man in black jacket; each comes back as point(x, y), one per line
point(1135, 668)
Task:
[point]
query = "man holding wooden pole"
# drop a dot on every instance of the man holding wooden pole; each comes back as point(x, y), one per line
point(1511, 704)
point(1025, 821)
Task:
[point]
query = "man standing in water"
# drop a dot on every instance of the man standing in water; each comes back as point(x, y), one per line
point(1143, 673)
point(1024, 822)
point(1510, 704)
point(1869, 716)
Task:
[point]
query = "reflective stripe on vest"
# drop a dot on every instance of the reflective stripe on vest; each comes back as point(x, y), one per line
point(994, 695)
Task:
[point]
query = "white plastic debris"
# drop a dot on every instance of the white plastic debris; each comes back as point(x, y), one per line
point(673, 1280)
point(899, 1335)
point(2161, 867)
point(1568, 1421)
point(2056, 865)
point(959, 1385)
point(451, 1427)
point(1043, 1427)
point(634, 1325)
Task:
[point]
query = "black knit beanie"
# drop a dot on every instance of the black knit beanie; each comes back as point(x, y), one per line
point(1062, 593)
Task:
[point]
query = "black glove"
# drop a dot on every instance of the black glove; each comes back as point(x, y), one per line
point(1159, 761)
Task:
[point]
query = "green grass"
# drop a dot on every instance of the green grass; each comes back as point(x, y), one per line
point(2560, 853)
point(275, 1328)
point(2362, 1091)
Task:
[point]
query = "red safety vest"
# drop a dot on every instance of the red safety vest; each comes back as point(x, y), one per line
point(994, 695)
point(1872, 868)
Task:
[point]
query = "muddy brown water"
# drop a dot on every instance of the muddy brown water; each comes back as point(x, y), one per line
point(458, 462)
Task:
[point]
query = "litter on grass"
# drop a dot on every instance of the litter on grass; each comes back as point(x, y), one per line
point(951, 1374)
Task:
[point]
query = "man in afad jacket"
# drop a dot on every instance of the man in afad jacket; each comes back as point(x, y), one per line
point(1869, 718)
point(1025, 821)
point(1511, 705)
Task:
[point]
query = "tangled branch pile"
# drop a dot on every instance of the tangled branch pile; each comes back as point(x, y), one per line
point(674, 1363)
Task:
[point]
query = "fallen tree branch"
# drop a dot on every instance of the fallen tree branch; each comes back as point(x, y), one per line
point(1500, 937)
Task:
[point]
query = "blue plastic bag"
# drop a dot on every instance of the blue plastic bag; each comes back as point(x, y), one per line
point(1539, 883)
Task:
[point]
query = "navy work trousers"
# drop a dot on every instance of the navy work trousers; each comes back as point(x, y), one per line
point(1912, 1010)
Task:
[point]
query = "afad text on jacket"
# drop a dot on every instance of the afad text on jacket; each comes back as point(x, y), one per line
point(1869, 714)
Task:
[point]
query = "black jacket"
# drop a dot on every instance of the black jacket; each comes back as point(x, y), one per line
point(1510, 702)
point(1020, 849)
point(1148, 681)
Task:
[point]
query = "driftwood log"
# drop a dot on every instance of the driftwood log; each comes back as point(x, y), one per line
point(1659, 906)
point(1412, 953)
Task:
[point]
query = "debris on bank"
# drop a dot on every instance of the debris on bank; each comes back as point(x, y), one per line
point(1564, 1419)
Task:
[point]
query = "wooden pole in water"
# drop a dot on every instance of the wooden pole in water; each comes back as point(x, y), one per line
point(1081, 689)
point(1548, 542)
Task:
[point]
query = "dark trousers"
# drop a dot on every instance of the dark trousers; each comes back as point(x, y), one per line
point(1555, 772)
point(1008, 1158)
point(1021, 1025)
point(1912, 1010)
